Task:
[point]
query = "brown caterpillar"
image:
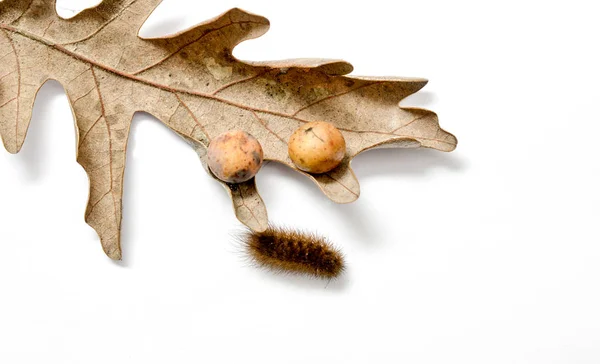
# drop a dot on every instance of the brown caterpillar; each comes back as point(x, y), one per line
point(291, 251)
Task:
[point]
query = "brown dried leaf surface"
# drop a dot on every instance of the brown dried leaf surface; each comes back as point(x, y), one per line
point(192, 83)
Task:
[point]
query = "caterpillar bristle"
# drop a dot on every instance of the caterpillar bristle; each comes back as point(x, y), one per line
point(292, 251)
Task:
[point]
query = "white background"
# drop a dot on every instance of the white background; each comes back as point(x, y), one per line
point(489, 254)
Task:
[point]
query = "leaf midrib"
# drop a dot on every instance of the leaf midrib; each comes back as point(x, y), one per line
point(134, 78)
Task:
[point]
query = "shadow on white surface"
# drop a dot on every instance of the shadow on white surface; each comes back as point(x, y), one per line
point(404, 162)
point(361, 217)
point(129, 196)
point(301, 281)
point(31, 162)
point(69, 8)
point(162, 27)
point(131, 179)
point(357, 216)
point(419, 99)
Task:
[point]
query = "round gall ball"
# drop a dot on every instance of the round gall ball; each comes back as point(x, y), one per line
point(235, 156)
point(317, 147)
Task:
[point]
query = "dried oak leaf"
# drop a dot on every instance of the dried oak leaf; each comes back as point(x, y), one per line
point(193, 84)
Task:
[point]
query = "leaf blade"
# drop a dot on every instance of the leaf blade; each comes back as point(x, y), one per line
point(193, 84)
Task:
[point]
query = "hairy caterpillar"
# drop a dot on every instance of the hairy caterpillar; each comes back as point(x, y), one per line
point(291, 251)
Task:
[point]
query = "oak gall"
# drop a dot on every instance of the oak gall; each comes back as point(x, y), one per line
point(235, 156)
point(317, 147)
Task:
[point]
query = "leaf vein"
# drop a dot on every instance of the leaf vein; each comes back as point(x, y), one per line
point(341, 184)
point(224, 87)
point(18, 63)
point(90, 129)
point(193, 116)
point(84, 95)
point(110, 156)
point(336, 95)
point(195, 93)
point(93, 206)
point(23, 13)
point(108, 22)
point(246, 206)
point(267, 127)
point(8, 74)
point(412, 121)
point(8, 102)
point(164, 59)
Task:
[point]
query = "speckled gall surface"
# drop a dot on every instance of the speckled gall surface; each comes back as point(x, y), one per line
point(235, 156)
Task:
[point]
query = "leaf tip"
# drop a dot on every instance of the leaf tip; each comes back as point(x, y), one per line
point(452, 142)
point(12, 148)
point(241, 13)
point(114, 254)
point(340, 185)
point(337, 68)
